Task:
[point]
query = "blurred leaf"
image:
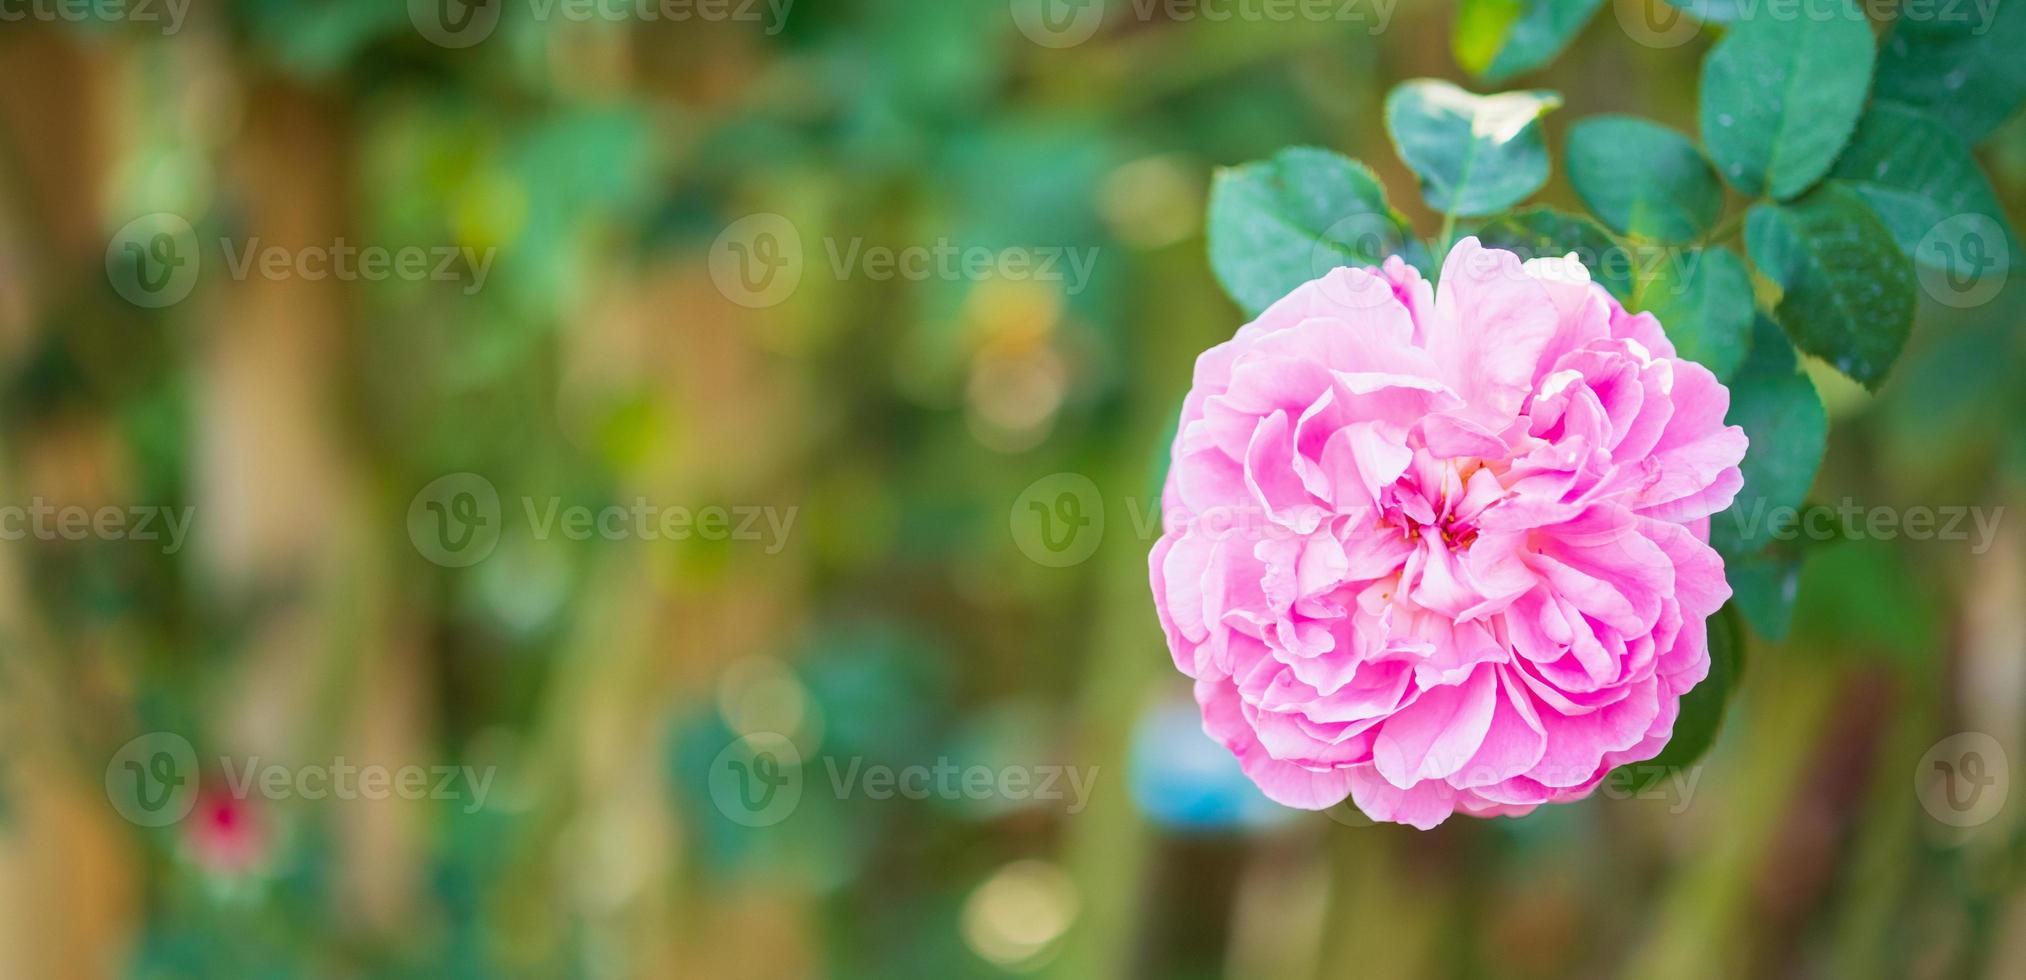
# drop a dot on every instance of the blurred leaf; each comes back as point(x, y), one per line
point(922, 60)
point(318, 39)
point(1475, 154)
point(566, 173)
point(1546, 233)
point(882, 689)
point(820, 842)
point(1966, 69)
point(1643, 179)
point(1497, 39)
point(1953, 401)
point(1780, 96)
point(1028, 181)
point(1861, 597)
point(1279, 223)
point(1783, 417)
point(1916, 174)
point(1848, 291)
point(1703, 299)
point(1764, 585)
point(1772, 352)
point(1481, 30)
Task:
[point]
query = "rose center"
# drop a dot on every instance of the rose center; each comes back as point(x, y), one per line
point(1431, 503)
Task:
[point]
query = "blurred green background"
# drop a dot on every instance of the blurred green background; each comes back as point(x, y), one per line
point(592, 332)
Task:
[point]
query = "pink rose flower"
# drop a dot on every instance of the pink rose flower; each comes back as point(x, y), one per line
point(1444, 549)
point(227, 833)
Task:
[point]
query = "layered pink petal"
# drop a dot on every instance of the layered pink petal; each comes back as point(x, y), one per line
point(1444, 548)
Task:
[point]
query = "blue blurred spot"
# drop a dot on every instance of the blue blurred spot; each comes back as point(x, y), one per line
point(1184, 781)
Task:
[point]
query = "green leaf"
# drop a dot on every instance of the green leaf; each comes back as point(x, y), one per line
point(1764, 585)
point(1278, 223)
point(1497, 39)
point(1703, 299)
point(1759, 535)
point(1481, 30)
point(1782, 416)
point(1916, 174)
point(1771, 351)
point(1546, 233)
point(1643, 179)
point(1780, 96)
point(1702, 709)
point(1475, 154)
point(1967, 69)
point(1847, 289)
